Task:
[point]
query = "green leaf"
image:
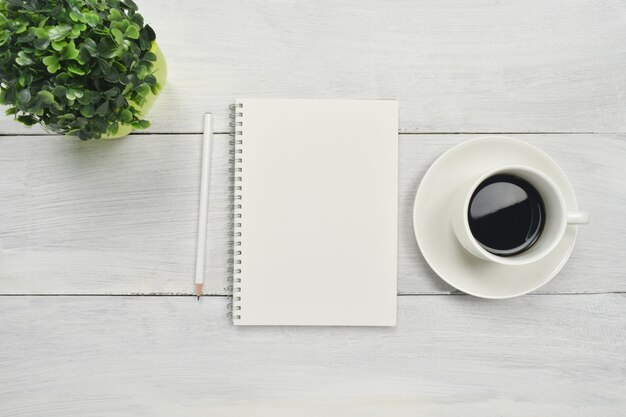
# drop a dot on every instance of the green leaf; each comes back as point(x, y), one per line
point(41, 33)
point(124, 80)
point(4, 37)
point(113, 92)
point(143, 90)
point(59, 91)
point(86, 97)
point(25, 79)
point(87, 111)
point(132, 32)
point(73, 94)
point(126, 116)
point(91, 46)
point(20, 27)
point(114, 52)
point(83, 135)
point(92, 19)
point(98, 126)
point(59, 32)
point(68, 117)
point(138, 20)
point(59, 45)
point(118, 36)
point(27, 120)
point(121, 25)
point(141, 124)
point(41, 44)
point(52, 63)
point(77, 28)
point(70, 51)
point(111, 75)
point(83, 56)
point(113, 128)
point(150, 56)
point(119, 66)
point(75, 16)
point(142, 72)
point(150, 32)
point(45, 97)
point(131, 5)
point(23, 62)
point(24, 95)
point(36, 109)
point(75, 70)
point(120, 101)
point(11, 111)
point(115, 14)
point(27, 38)
point(103, 109)
point(156, 89)
point(23, 59)
point(80, 122)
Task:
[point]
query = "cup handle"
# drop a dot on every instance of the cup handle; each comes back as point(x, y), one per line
point(577, 217)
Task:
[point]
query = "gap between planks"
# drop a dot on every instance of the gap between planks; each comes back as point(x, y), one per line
point(547, 294)
point(400, 133)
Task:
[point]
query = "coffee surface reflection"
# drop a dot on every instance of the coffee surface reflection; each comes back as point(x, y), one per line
point(506, 214)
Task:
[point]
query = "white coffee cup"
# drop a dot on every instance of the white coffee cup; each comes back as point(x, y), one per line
point(557, 216)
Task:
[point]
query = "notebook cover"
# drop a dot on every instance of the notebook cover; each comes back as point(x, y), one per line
point(315, 212)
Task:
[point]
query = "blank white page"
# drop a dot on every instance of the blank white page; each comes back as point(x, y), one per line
point(318, 212)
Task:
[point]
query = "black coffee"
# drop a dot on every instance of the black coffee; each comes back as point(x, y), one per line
point(506, 214)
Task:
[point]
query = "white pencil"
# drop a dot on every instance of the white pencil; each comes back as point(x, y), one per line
point(204, 200)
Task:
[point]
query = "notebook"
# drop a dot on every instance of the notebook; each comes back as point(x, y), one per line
point(315, 212)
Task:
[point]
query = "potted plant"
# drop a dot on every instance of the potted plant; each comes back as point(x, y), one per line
point(87, 68)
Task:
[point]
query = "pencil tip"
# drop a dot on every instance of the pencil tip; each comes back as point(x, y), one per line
point(198, 291)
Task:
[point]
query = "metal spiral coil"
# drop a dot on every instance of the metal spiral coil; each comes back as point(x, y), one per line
point(235, 188)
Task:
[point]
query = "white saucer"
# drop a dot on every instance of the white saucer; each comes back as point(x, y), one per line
point(433, 227)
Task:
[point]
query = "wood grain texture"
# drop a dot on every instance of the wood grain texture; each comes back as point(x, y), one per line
point(448, 356)
point(119, 217)
point(454, 65)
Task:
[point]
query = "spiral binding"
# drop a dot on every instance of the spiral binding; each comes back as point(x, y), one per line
point(236, 197)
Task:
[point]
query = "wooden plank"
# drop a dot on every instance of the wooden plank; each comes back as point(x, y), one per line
point(455, 66)
point(448, 356)
point(99, 217)
point(119, 217)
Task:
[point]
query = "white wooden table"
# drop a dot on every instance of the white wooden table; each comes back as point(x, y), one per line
point(97, 239)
